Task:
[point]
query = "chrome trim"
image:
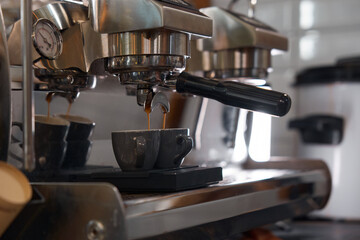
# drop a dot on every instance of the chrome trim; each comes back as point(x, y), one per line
point(244, 58)
point(28, 85)
point(149, 42)
point(244, 192)
point(57, 34)
point(62, 14)
point(146, 69)
point(114, 16)
point(233, 31)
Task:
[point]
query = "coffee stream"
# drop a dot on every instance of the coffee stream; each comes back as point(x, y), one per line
point(164, 116)
point(148, 111)
point(49, 99)
point(68, 110)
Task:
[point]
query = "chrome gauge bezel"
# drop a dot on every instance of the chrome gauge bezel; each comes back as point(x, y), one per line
point(58, 39)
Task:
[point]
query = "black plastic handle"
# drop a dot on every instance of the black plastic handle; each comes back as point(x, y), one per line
point(235, 94)
point(322, 129)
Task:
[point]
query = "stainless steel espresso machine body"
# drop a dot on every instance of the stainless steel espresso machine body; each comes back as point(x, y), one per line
point(141, 49)
point(145, 44)
point(144, 50)
point(239, 51)
point(75, 45)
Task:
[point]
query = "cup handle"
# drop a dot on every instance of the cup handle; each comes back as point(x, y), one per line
point(16, 146)
point(188, 144)
point(140, 151)
point(20, 126)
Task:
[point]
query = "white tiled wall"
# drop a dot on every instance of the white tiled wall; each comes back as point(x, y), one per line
point(319, 32)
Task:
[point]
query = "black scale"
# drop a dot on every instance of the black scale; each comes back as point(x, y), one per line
point(157, 180)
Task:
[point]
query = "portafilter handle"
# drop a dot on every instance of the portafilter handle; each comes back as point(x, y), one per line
point(235, 94)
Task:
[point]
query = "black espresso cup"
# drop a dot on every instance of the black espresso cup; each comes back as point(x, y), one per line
point(136, 150)
point(81, 128)
point(175, 144)
point(77, 154)
point(50, 143)
point(78, 140)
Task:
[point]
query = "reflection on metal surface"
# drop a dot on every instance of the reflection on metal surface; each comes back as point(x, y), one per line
point(81, 47)
point(113, 16)
point(249, 192)
point(242, 63)
point(72, 211)
point(240, 46)
point(233, 31)
point(230, 119)
point(147, 69)
point(243, 194)
point(307, 14)
point(160, 99)
point(67, 80)
point(200, 122)
point(260, 141)
point(251, 10)
point(153, 49)
point(63, 15)
point(28, 85)
point(239, 51)
point(149, 42)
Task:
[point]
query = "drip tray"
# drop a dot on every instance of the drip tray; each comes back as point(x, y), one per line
point(159, 180)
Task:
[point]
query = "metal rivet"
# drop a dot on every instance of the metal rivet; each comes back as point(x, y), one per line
point(42, 160)
point(70, 79)
point(95, 230)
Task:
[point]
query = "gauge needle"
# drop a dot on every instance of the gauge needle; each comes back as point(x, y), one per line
point(45, 40)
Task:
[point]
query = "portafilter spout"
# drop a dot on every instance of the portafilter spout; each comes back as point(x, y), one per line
point(150, 100)
point(69, 96)
point(235, 94)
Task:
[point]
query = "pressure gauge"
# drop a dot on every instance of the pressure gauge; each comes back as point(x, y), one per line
point(47, 39)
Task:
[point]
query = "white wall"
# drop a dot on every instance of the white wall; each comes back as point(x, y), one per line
point(319, 32)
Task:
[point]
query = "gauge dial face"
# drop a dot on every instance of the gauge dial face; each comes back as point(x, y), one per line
point(47, 39)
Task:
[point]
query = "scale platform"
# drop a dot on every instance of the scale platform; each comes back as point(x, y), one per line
point(157, 180)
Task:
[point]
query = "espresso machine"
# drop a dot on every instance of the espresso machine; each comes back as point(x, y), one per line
point(239, 51)
point(147, 53)
point(145, 45)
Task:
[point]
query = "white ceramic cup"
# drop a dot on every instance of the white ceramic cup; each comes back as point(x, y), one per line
point(15, 193)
